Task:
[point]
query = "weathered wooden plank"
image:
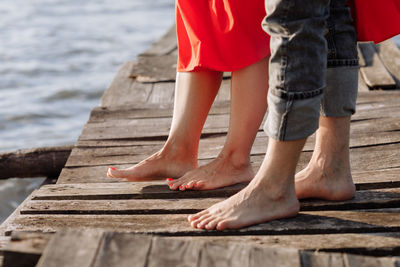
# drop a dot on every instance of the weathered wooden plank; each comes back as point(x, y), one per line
point(162, 94)
point(25, 249)
point(215, 124)
point(64, 250)
point(154, 69)
point(275, 257)
point(316, 259)
point(36, 162)
point(209, 149)
point(356, 260)
point(132, 204)
point(125, 90)
point(167, 252)
point(149, 190)
point(165, 45)
point(317, 222)
point(123, 250)
point(390, 54)
point(368, 244)
point(372, 69)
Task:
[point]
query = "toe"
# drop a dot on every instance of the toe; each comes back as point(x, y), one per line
point(223, 225)
point(190, 185)
point(199, 185)
point(202, 224)
point(212, 224)
point(197, 215)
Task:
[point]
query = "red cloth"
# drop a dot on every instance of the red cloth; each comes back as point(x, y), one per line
point(223, 35)
point(226, 35)
point(376, 20)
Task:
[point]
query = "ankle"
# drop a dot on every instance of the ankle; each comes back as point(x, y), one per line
point(178, 153)
point(236, 159)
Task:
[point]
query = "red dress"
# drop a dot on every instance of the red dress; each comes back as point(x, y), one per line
point(223, 35)
point(226, 35)
point(376, 20)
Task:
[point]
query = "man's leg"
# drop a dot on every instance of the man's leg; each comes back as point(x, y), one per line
point(297, 79)
point(328, 175)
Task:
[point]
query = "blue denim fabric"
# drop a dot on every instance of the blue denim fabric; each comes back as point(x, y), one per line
point(302, 67)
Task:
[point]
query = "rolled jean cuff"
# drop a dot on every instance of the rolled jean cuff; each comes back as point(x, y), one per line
point(340, 94)
point(292, 115)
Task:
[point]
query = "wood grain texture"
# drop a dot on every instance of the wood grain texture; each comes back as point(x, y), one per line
point(316, 222)
point(72, 249)
point(390, 54)
point(134, 203)
point(36, 162)
point(124, 90)
point(123, 250)
point(372, 69)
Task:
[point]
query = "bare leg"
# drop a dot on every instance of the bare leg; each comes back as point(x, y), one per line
point(249, 88)
point(328, 175)
point(194, 95)
point(270, 195)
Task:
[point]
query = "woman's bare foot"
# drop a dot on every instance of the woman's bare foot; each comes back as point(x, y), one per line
point(225, 170)
point(157, 167)
point(257, 203)
point(328, 175)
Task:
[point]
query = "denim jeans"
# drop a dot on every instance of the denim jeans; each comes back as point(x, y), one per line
point(313, 65)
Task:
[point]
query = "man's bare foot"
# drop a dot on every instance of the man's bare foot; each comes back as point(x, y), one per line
point(328, 175)
point(157, 167)
point(256, 203)
point(225, 170)
point(324, 178)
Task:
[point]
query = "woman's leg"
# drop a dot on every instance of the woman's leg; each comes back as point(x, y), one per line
point(194, 94)
point(249, 88)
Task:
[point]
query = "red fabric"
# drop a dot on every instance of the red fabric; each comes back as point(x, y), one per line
point(222, 35)
point(376, 20)
point(226, 35)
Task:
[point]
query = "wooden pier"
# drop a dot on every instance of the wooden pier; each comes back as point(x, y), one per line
point(87, 219)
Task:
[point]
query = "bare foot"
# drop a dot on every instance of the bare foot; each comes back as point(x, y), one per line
point(328, 175)
point(255, 204)
point(328, 179)
point(223, 171)
point(157, 167)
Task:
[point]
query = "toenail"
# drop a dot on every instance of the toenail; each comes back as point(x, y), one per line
point(170, 185)
point(180, 187)
point(112, 168)
point(187, 186)
point(195, 185)
point(169, 179)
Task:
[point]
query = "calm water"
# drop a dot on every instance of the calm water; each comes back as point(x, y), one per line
point(56, 59)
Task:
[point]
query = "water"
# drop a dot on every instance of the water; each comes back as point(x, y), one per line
point(56, 59)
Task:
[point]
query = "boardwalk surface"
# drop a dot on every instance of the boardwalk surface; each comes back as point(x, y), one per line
point(133, 121)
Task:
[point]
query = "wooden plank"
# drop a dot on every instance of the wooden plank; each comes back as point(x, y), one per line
point(154, 69)
point(382, 244)
point(372, 69)
point(162, 94)
point(125, 90)
point(71, 248)
point(123, 250)
point(316, 259)
point(209, 148)
point(25, 249)
point(390, 55)
point(215, 124)
point(165, 45)
point(317, 222)
point(167, 252)
point(355, 261)
point(132, 204)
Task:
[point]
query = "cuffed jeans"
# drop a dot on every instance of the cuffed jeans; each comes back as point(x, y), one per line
point(313, 65)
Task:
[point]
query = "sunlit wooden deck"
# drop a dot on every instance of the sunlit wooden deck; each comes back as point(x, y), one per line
point(109, 221)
